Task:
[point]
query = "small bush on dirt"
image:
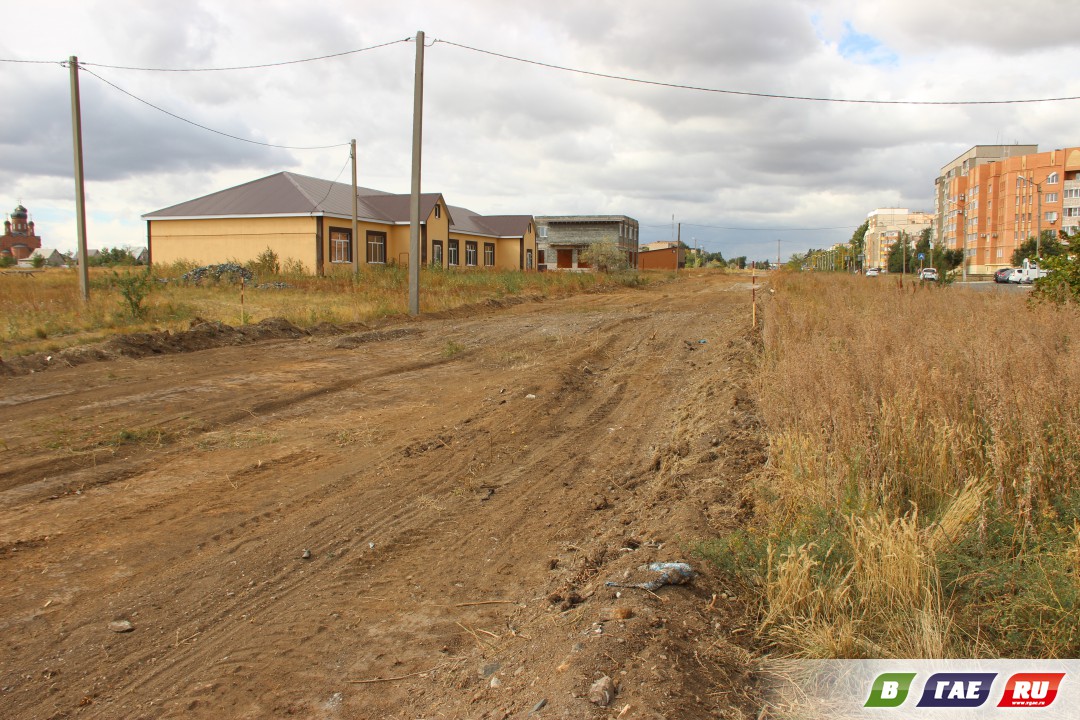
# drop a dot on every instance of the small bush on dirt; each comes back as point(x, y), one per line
point(452, 348)
point(134, 288)
point(7, 261)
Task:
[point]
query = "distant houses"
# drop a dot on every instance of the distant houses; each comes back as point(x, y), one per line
point(51, 257)
point(663, 255)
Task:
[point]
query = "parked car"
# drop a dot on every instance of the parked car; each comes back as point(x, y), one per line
point(872, 272)
point(1031, 271)
point(929, 274)
point(1002, 275)
point(1016, 276)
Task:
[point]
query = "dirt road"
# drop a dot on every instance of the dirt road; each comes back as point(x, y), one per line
point(417, 523)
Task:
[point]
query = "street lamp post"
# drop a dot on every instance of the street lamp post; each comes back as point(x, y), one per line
point(1038, 216)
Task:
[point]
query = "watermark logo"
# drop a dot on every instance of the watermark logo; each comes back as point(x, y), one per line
point(1031, 690)
point(957, 690)
point(890, 690)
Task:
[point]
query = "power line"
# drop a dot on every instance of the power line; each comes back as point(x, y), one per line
point(755, 229)
point(33, 62)
point(204, 127)
point(746, 93)
point(751, 229)
point(84, 64)
point(331, 188)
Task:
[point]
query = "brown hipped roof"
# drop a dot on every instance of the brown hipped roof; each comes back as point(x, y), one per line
point(287, 193)
point(466, 221)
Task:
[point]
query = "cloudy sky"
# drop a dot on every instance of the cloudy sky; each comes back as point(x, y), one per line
point(506, 137)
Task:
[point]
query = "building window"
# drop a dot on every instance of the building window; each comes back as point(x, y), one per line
point(376, 247)
point(452, 252)
point(1051, 217)
point(542, 230)
point(340, 245)
point(1052, 178)
point(1072, 193)
point(436, 252)
point(438, 210)
point(1050, 197)
point(489, 254)
point(1072, 212)
point(470, 253)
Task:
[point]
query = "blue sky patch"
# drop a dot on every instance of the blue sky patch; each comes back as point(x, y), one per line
point(862, 48)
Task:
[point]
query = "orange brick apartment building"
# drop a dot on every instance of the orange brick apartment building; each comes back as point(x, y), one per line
point(993, 197)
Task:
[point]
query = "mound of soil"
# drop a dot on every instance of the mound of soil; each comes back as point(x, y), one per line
point(202, 335)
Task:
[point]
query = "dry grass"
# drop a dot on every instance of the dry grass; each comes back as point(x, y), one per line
point(924, 491)
point(46, 313)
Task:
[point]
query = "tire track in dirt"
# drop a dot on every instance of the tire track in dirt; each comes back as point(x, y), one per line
point(447, 466)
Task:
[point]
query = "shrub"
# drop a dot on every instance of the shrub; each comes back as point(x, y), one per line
point(266, 263)
point(1062, 284)
point(134, 287)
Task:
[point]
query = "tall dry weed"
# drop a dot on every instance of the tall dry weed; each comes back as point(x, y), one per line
point(926, 440)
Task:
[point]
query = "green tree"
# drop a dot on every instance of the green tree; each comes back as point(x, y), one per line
point(7, 261)
point(902, 255)
point(112, 257)
point(1049, 247)
point(796, 261)
point(606, 256)
point(1062, 284)
point(858, 240)
point(37, 261)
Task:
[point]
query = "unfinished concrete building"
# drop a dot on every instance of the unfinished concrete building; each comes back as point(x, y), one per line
point(563, 241)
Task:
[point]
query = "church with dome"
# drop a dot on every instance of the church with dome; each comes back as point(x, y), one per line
point(19, 240)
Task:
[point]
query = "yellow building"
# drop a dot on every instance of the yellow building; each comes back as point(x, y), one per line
point(308, 220)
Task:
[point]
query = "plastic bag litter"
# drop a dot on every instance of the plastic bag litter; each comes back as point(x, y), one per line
point(671, 573)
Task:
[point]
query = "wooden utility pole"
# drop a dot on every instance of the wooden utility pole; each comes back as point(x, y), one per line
point(355, 233)
point(80, 196)
point(414, 203)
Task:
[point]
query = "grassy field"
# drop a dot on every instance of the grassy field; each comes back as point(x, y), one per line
point(922, 497)
point(45, 312)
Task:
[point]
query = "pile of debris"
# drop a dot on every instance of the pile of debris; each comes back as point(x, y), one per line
point(233, 271)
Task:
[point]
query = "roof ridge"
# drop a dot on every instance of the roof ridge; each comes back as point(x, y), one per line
point(291, 177)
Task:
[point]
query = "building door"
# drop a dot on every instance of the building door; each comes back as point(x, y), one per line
point(564, 259)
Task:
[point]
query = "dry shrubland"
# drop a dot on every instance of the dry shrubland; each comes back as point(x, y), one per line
point(45, 312)
point(923, 492)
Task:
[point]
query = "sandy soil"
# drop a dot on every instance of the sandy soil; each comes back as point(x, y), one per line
point(463, 486)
